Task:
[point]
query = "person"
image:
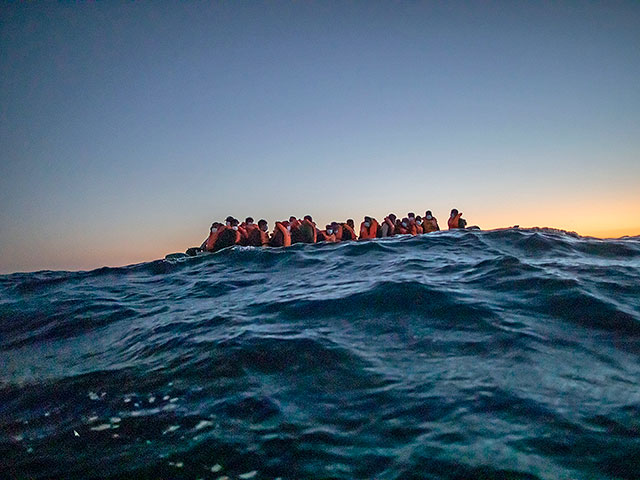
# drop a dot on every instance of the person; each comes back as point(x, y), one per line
point(387, 228)
point(337, 231)
point(348, 231)
point(411, 223)
point(207, 245)
point(281, 236)
point(456, 220)
point(297, 235)
point(368, 228)
point(419, 229)
point(308, 230)
point(245, 229)
point(326, 235)
point(402, 228)
point(258, 236)
point(228, 236)
point(430, 223)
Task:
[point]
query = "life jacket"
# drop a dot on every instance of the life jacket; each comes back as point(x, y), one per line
point(297, 236)
point(226, 238)
point(244, 233)
point(348, 233)
point(430, 225)
point(390, 227)
point(413, 228)
point(338, 233)
point(368, 232)
point(323, 236)
point(257, 238)
point(308, 231)
point(454, 221)
point(281, 236)
point(401, 230)
point(419, 229)
point(211, 241)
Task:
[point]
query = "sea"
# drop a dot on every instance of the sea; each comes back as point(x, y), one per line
point(505, 354)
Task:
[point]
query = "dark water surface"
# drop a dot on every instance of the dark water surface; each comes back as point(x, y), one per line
point(457, 355)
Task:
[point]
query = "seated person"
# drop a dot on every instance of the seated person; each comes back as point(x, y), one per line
point(308, 230)
point(258, 236)
point(402, 228)
point(418, 224)
point(456, 220)
point(348, 231)
point(429, 223)
point(337, 231)
point(281, 236)
point(228, 236)
point(387, 229)
point(368, 228)
point(207, 245)
point(326, 235)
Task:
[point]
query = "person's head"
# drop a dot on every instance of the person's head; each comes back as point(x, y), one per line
point(392, 217)
point(405, 222)
point(249, 221)
point(262, 225)
point(308, 217)
point(419, 220)
point(411, 216)
point(234, 224)
point(228, 220)
point(398, 222)
point(351, 223)
point(286, 224)
point(215, 226)
point(328, 229)
point(428, 215)
point(367, 221)
point(334, 226)
point(292, 219)
point(454, 212)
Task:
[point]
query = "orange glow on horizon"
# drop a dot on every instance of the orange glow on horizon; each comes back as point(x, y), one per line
point(73, 255)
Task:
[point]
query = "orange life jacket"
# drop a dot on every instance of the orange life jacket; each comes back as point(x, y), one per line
point(281, 236)
point(338, 233)
point(244, 233)
point(454, 221)
point(225, 239)
point(391, 226)
point(430, 225)
point(419, 229)
point(413, 228)
point(257, 237)
point(211, 241)
point(323, 236)
point(401, 230)
point(309, 231)
point(348, 233)
point(369, 232)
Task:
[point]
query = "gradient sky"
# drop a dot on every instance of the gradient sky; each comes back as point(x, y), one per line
point(127, 128)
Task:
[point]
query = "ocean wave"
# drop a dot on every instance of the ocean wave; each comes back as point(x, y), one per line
point(498, 354)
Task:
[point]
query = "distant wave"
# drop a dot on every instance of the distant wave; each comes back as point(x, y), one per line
point(467, 354)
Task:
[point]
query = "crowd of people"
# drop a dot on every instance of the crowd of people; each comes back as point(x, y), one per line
point(294, 230)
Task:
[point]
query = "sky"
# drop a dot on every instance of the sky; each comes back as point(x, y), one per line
point(127, 128)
